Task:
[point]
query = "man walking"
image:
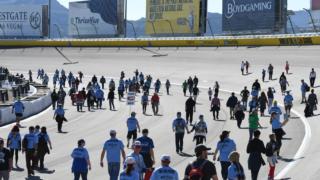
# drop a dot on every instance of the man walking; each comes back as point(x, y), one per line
point(147, 147)
point(179, 126)
point(113, 147)
point(5, 161)
point(190, 106)
point(231, 103)
point(18, 109)
point(133, 125)
point(312, 77)
point(30, 147)
point(165, 171)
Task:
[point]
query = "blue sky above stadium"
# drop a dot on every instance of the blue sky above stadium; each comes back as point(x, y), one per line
point(136, 8)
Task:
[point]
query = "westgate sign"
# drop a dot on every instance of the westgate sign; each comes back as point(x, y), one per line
point(21, 20)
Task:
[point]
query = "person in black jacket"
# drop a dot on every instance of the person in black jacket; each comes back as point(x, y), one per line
point(190, 105)
point(255, 148)
point(231, 103)
point(102, 81)
point(54, 99)
point(271, 153)
point(111, 99)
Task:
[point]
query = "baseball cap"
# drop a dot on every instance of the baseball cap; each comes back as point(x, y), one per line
point(165, 157)
point(200, 148)
point(130, 160)
point(137, 143)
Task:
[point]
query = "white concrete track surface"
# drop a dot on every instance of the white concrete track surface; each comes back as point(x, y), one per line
point(209, 64)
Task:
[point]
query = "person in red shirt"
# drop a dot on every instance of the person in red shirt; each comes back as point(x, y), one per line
point(155, 103)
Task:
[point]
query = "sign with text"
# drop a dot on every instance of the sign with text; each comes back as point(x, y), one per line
point(21, 21)
point(95, 18)
point(242, 15)
point(175, 16)
point(131, 97)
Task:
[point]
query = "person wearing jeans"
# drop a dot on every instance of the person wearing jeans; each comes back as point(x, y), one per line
point(179, 126)
point(113, 147)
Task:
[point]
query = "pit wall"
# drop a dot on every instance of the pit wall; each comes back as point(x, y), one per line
point(153, 42)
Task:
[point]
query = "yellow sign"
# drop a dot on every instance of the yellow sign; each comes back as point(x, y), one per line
point(172, 17)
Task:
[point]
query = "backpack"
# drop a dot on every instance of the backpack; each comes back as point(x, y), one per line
point(307, 87)
point(196, 173)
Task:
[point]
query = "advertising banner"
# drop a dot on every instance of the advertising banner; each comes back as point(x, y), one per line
point(93, 18)
point(21, 21)
point(315, 4)
point(173, 16)
point(244, 15)
point(131, 97)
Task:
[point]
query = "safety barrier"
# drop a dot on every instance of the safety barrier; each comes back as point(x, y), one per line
point(263, 40)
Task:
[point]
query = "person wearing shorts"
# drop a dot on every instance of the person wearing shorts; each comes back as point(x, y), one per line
point(18, 109)
point(133, 126)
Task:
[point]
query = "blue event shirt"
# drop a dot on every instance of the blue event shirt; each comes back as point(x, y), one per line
point(165, 173)
point(146, 144)
point(132, 124)
point(132, 176)
point(32, 140)
point(80, 157)
point(288, 99)
point(179, 125)
point(46, 136)
point(99, 94)
point(59, 111)
point(18, 107)
point(226, 147)
point(233, 172)
point(275, 109)
point(15, 141)
point(113, 147)
point(276, 124)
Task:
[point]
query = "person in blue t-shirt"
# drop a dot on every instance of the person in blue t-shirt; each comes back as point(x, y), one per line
point(133, 125)
point(288, 103)
point(165, 171)
point(139, 166)
point(225, 146)
point(235, 170)
point(14, 143)
point(147, 147)
point(277, 129)
point(113, 147)
point(59, 117)
point(275, 108)
point(129, 172)
point(18, 109)
point(179, 126)
point(30, 146)
point(81, 161)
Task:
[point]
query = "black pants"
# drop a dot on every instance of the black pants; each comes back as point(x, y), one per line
point(179, 142)
point(239, 122)
point(189, 116)
point(147, 160)
point(279, 135)
point(270, 75)
point(144, 107)
point(155, 108)
point(254, 174)
point(79, 107)
point(41, 159)
point(29, 160)
point(224, 169)
point(215, 113)
point(111, 104)
point(312, 80)
point(15, 152)
point(168, 90)
point(199, 139)
point(60, 122)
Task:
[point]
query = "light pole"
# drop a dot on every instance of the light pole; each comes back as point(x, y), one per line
point(312, 20)
point(170, 26)
point(210, 27)
point(134, 30)
point(4, 33)
point(95, 29)
point(59, 31)
point(76, 29)
point(154, 29)
point(49, 19)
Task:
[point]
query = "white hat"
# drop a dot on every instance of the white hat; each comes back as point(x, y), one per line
point(137, 143)
point(130, 160)
point(165, 157)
